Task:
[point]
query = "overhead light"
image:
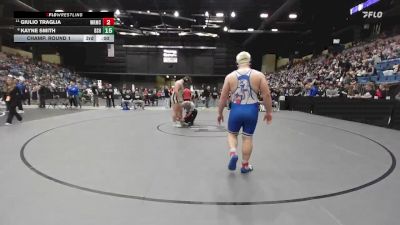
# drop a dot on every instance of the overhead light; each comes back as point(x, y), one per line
point(264, 15)
point(206, 14)
point(164, 13)
point(117, 12)
point(59, 10)
point(167, 77)
point(179, 27)
point(233, 14)
point(154, 33)
point(183, 33)
point(250, 29)
point(148, 11)
point(293, 16)
point(104, 10)
point(225, 28)
point(131, 25)
point(176, 14)
point(219, 14)
point(274, 30)
point(204, 27)
point(132, 34)
point(90, 10)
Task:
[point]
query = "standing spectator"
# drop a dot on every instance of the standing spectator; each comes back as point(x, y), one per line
point(27, 95)
point(110, 96)
point(167, 97)
point(146, 96)
point(42, 96)
point(21, 90)
point(206, 95)
point(11, 93)
point(95, 92)
point(215, 95)
point(196, 98)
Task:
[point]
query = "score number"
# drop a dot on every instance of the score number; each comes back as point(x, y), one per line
point(108, 30)
point(108, 21)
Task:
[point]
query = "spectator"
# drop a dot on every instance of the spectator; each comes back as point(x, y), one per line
point(109, 92)
point(21, 90)
point(95, 93)
point(332, 91)
point(11, 93)
point(126, 99)
point(369, 92)
point(214, 96)
point(196, 99)
point(381, 92)
point(206, 94)
point(42, 96)
point(167, 95)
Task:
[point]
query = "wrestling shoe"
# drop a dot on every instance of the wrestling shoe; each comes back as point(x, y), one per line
point(246, 169)
point(232, 162)
point(178, 125)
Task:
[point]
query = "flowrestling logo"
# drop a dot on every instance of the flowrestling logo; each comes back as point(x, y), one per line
point(372, 14)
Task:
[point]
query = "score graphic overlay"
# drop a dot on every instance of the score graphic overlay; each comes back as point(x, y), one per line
point(96, 27)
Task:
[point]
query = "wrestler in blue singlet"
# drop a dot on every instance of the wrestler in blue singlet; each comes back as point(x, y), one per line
point(244, 109)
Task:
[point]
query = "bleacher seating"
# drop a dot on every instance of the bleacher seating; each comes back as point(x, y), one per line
point(382, 77)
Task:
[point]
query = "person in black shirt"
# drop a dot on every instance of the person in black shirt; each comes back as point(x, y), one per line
point(95, 91)
point(206, 94)
point(12, 98)
point(126, 99)
point(167, 97)
point(214, 95)
point(110, 96)
point(42, 96)
point(138, 99)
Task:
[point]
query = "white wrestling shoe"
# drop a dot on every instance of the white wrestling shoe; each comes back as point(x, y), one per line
point(178, 125)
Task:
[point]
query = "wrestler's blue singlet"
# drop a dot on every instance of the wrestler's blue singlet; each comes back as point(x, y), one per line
point(244, 109)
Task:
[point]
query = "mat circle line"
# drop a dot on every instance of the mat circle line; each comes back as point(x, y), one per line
point(172, 201)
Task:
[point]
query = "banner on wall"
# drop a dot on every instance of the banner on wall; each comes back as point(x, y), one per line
point(100, 83)
point(170, 56)
point(110, 50)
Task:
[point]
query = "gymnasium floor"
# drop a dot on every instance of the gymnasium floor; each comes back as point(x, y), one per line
point(106, 167)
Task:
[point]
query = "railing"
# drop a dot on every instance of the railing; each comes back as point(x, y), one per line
point(384, 113)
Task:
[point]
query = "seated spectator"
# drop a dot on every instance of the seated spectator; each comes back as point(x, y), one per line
point(138, 99)
point(369, 91)
point(381, 92)
point(127, 98)
point(313, 89)
point(332, 91)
